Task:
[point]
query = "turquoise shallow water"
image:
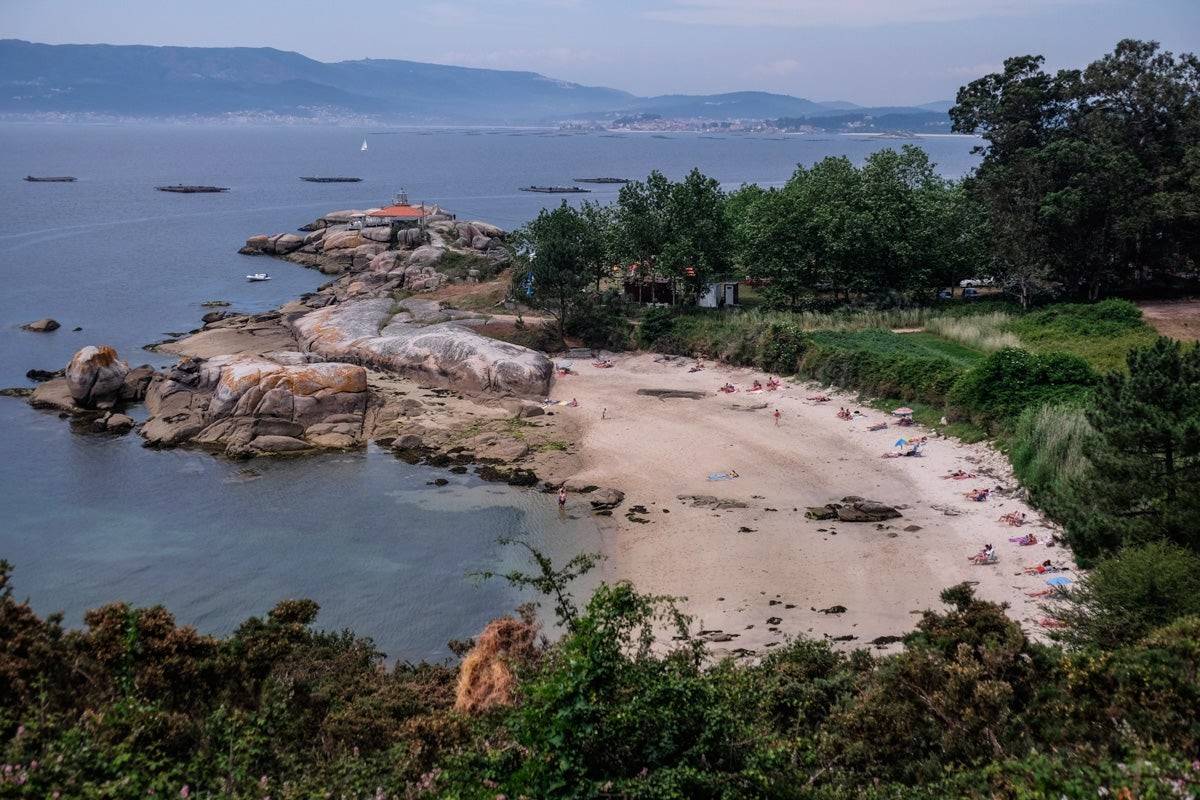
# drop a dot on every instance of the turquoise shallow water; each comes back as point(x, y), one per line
point(86, 520)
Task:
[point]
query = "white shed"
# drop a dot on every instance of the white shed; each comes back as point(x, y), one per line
point(719, 295)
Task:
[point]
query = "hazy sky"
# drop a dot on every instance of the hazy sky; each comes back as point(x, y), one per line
point(867, 51)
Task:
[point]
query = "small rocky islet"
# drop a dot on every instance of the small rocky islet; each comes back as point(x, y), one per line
point(342, 366)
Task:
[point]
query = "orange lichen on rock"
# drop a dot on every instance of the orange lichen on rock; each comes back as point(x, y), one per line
point(486, 678)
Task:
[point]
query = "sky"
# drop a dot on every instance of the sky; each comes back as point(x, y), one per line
point(871, 52)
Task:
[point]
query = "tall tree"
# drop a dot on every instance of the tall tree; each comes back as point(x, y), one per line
point(554, 262)
point(1089, 177)
point(1145, 454)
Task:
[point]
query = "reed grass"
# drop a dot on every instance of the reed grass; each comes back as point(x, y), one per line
point(985, 332)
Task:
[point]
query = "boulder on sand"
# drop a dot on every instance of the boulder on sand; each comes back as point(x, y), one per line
point(96, 376)
point(853, 509)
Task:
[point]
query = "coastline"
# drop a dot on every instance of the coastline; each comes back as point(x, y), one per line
point(753, 568)
point(742, 566)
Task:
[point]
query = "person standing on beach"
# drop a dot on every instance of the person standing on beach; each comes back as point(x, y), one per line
point(562, 498)
point(776, 415)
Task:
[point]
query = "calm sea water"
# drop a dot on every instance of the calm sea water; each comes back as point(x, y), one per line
point(86, 520)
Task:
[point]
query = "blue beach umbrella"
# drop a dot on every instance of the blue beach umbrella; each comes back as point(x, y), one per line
point(1058, 580)
point(900, 442)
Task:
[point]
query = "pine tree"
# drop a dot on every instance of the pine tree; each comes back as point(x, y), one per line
point(1145, 484)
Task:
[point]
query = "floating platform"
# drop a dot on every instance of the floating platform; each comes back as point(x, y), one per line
point(555, 189)
point(51, 179)
point(602, 180)
point(179, 188)
point(312, 179)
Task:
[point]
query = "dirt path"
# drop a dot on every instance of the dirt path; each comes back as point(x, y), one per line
point(741, 567)
point(1179, 319)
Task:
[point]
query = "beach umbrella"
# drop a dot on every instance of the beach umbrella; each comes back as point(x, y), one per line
point(903, 411)
point(900, 443)
point(1058, 580)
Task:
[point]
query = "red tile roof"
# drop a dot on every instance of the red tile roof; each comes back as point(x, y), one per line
point(400, 211)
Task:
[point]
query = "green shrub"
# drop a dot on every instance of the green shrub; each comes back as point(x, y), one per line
point(780, 347)
point(601, 322)
point(995, 392)
point(1101, 333)
point(1128, 595)
point(1047, 450)
point(657, 323)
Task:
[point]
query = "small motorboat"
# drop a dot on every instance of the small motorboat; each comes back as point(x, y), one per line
point(258, 276)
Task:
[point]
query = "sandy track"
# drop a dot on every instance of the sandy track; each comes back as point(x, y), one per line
point(655, 450)
point(1179, 319)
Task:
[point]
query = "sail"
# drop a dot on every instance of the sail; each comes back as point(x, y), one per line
point(364, 147)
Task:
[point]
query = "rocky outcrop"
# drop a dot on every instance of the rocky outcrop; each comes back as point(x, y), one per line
point(251, 405)
point(44, 325)
point(406, 340)
point(338, 243)
point(853, 509)
point(95, 376)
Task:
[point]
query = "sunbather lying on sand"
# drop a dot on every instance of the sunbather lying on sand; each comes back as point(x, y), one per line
point(1049, 591)
point(773, 384)
point(699, 365)
point(819, 398)
point(1044, 568)
point(724, 476)
point(1025, 541)
point(985, 556)
point(844, 413)
point(959, 475)
point(602, 363)
point(904, 421)
point(978, 495)
point(756, 386)
point(878, 426)
point(1014, 518)
point(1051, 622)
point(728, 388)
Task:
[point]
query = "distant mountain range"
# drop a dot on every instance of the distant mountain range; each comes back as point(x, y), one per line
point(142, 81)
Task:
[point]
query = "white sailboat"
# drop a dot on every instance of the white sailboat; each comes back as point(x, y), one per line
point(364, 147)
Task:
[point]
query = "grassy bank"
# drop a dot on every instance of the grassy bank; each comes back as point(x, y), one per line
point(981, 366)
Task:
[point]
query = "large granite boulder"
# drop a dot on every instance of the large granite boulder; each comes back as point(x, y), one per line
point(95, 376)
point(249, 405)
point(411, 237)
point(387, 261)
point(342, 240)
point(378, 233)
point(284, 243)
point(370, 332)
point(364, 253)
point(426, 256)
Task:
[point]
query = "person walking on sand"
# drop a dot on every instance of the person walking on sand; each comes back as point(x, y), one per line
point(604, 413)
point(562, 498)
point(776, 415)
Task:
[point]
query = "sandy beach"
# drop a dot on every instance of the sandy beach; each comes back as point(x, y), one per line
point(741, 569)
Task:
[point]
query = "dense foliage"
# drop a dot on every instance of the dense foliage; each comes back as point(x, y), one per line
point(890, 225)
point(135, 706)
point(1090, 176)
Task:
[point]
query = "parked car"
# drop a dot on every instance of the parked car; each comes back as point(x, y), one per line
point(970, 293)
point(977, 282)
point(946, 294)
